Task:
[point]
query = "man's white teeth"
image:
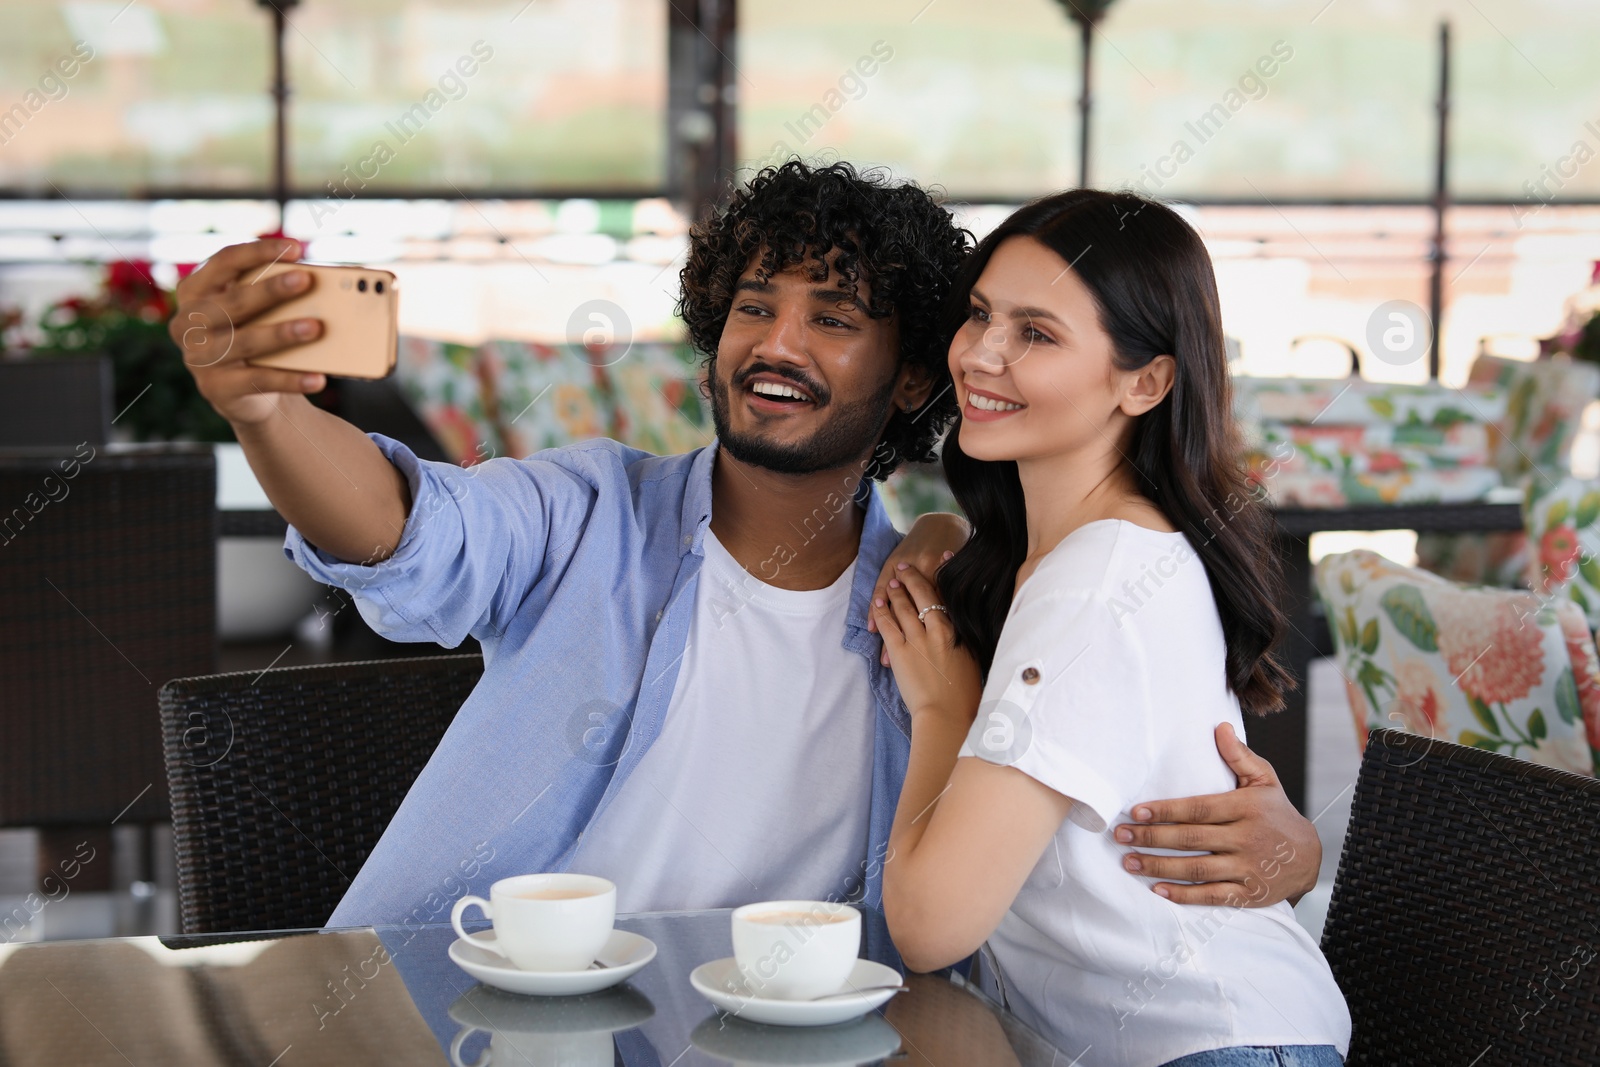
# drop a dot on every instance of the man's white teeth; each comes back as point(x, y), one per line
point(776, 389)
point(983, 403)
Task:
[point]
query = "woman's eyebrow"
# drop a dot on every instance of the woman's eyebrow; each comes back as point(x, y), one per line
point(1039, 313)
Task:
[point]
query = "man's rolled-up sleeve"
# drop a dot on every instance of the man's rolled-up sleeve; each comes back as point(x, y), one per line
point(475, 541)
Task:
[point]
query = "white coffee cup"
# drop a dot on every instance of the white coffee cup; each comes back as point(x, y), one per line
point(545, 922)
point(795, 949)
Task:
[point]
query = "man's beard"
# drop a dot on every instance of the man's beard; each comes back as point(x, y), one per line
point(851, 432)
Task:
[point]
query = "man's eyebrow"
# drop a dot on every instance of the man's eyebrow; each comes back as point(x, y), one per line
point(834, 296)
point(822, 293)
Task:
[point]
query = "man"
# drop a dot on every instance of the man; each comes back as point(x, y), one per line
point(681, 692)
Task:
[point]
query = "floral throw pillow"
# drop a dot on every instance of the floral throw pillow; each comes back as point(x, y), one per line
point(659, 406)
point(1544, 406)
point(1506, 671)
point(545, 396)
point(444, 384)
point(1562, 517)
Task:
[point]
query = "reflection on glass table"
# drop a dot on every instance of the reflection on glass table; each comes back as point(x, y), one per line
point(391, 996)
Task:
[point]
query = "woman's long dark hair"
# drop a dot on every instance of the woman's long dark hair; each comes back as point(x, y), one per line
point(1153, 286)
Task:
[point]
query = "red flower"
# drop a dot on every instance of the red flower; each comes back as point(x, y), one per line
point(129, 276)
point(1491, 651)
point(1558, 553)
point(1382, 462)
point(1419, 698)
point(186, 269)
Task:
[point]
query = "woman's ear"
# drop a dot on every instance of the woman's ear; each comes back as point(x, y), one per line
point(1146, 387)
point(915, 385)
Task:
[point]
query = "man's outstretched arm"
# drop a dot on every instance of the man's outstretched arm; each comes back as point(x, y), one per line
point(1261, 850)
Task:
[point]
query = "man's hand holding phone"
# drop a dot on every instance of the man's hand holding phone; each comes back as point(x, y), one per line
point(324, 475)
point(214, 327)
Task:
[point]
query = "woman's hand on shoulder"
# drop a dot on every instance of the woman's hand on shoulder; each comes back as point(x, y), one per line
point(934, 538)
point(935, 677)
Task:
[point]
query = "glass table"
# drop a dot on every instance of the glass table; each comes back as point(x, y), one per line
point(391, 996)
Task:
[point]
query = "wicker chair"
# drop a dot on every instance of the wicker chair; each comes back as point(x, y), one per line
point(1464, 918)
point(282, 781)
point(107, 589)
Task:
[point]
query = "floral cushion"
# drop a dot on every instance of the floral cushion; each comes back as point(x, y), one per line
point(1323, 442)
point(545, 396)
point(1356, 401)
point(659, 406)
point(444, 384)
point(1545, 399)
point(1375, 448)
point(1562, 518)
point(1320, 489)
point(1495, 669)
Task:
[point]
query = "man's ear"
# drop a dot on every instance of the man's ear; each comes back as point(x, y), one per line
point(1146, 387)
point(915, 386)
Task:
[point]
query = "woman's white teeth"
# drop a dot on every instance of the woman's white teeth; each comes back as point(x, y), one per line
point(983, 403)
point(775, 389)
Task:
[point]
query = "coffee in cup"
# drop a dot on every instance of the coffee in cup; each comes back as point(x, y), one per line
point(795, 949)
point(545, 922)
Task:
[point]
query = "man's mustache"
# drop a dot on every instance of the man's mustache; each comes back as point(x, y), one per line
point(810, 387)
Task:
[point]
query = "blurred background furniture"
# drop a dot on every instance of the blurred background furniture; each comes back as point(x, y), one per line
point(1501, 670)
point(283, 780)
point(107, 589)
point(61, 401)
point(1464, 916)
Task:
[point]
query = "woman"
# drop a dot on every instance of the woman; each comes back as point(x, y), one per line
point(1115, 605)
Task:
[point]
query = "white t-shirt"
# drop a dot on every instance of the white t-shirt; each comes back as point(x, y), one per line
point(1106, 685)
point(760, 783)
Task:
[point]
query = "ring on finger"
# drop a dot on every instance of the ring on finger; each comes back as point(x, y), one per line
point(932, 607)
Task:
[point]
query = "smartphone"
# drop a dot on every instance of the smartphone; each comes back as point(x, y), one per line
point(360, 312)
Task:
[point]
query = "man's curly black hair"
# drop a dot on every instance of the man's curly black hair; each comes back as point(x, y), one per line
point(892, 235)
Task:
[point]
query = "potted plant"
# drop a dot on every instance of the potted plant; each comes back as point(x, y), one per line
point(127, 321)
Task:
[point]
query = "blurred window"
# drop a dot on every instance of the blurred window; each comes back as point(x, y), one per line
point(978, 98)
point(110, 97)
point(451, 96)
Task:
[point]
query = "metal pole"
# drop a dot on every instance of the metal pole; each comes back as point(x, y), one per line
point(280, 97)
point(1086, 28)
point(702, 148)
point(280, 105)
point(1441, 201)
point(724, 20)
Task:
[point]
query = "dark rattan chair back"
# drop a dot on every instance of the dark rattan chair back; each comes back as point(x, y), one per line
point(282, 781)
point(1465, 922)
point(107, 589)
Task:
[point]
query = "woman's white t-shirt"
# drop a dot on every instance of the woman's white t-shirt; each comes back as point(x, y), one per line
point(1106, 686)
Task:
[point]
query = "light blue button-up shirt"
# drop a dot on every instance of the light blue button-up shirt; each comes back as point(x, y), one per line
point(576, 570)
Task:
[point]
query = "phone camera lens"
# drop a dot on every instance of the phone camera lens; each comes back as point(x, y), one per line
point(377, 287)
point(362, 285)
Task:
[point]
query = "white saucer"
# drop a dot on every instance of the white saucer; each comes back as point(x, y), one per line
point(721, 983)
point(622, 956)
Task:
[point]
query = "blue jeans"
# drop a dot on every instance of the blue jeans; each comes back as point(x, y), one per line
point(1278, 1056)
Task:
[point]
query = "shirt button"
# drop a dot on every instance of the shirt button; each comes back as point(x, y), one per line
point(1031, 675)
point(658, 616)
